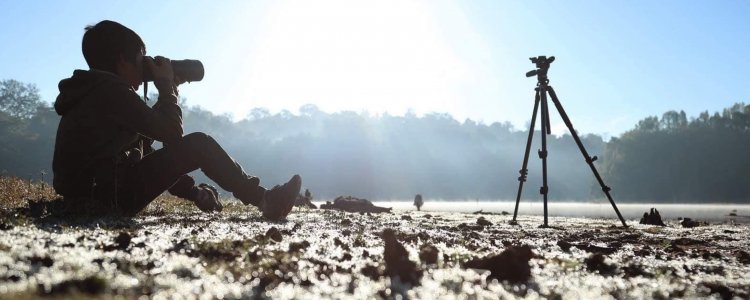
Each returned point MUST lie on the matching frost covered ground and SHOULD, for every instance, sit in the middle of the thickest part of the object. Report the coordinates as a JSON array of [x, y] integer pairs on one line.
[[174, 249]]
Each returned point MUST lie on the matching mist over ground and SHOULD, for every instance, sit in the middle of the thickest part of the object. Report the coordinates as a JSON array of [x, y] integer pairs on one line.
[[673, 159], [396, 157]]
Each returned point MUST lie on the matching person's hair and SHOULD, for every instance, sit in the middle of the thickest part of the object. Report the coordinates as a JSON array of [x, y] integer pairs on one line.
[[104, 42]]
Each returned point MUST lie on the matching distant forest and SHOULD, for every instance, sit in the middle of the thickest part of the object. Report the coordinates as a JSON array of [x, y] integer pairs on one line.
[[669, 159]]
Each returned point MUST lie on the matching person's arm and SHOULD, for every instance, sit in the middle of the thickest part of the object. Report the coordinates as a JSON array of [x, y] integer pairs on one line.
[[163, 122]]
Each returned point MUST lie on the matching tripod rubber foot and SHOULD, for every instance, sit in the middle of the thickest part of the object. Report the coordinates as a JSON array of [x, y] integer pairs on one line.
[[513, 222]]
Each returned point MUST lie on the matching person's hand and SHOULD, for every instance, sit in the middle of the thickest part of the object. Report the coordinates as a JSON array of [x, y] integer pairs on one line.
[[178, 80], [161, 67]]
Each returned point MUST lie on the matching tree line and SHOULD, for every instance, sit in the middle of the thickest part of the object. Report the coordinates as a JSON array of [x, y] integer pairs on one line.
[[667, 159], [674, 159]]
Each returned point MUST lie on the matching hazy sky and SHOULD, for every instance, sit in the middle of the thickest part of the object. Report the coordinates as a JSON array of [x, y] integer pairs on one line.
[[617, 61]]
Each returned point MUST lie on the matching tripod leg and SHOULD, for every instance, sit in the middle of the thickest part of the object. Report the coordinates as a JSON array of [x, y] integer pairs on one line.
[[543, 153], [524, 171], [586, 156]]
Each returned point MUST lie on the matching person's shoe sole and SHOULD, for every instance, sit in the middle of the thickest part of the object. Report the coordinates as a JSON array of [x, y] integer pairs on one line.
[[289, 191]]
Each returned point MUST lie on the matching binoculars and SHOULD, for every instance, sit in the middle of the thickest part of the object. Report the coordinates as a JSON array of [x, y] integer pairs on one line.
[[188, 70]]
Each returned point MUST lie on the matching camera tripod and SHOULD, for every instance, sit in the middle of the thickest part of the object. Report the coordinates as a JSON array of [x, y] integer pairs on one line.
[[542, 89]]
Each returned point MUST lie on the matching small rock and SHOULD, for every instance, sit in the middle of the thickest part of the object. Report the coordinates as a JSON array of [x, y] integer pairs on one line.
[[373, 272], [345, 257], [511, 265], [295, 246], [596, 262], [274, 234], [565, 246], [690, 223], [483, 222], [123, 240], [718, 288], [304, 201], [406, 217], [397, 263], [428, 254], [353, 204], [652, 218], [743, 257]]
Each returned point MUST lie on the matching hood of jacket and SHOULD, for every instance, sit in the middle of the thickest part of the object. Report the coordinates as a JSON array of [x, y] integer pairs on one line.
[[75, 88]]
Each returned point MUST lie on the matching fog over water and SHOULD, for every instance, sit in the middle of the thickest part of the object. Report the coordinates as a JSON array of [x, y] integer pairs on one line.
[[599, 209]]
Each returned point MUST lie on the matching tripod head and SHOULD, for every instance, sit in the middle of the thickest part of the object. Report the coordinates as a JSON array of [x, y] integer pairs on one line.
[[542, 65]]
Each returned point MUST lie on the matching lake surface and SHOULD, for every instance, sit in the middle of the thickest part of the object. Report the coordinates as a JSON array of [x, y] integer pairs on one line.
[[630, 211]]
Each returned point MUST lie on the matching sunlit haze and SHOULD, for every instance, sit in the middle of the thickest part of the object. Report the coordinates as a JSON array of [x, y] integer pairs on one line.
[[617, 62], [382, 56]]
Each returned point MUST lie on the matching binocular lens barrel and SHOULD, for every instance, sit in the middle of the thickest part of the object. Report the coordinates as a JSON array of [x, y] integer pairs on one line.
[[188, 70]]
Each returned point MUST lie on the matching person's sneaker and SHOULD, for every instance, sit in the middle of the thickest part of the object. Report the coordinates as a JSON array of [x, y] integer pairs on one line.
[[278, 201], [207, 198]]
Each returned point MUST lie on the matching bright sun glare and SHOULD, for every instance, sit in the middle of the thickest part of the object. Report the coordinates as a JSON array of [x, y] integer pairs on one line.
[[382, 56]]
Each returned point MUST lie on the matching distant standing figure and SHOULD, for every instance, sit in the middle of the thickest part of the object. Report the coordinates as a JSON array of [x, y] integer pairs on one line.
[[418, 201]]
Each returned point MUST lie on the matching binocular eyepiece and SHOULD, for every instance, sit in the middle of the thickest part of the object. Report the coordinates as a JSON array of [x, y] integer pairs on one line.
[[188, 70]]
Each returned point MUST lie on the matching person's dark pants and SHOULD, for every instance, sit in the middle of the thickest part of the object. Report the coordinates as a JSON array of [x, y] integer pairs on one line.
[[139, 184]]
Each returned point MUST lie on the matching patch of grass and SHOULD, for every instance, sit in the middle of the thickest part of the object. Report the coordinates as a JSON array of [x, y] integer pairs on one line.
[[167, 204], [15, 192]]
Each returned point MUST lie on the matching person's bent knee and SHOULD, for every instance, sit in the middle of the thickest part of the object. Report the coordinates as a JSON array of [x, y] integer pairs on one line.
[[198, 139], [199, 142]]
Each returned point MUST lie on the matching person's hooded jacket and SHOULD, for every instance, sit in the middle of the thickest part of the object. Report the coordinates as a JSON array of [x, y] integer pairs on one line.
[[102, 116]]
